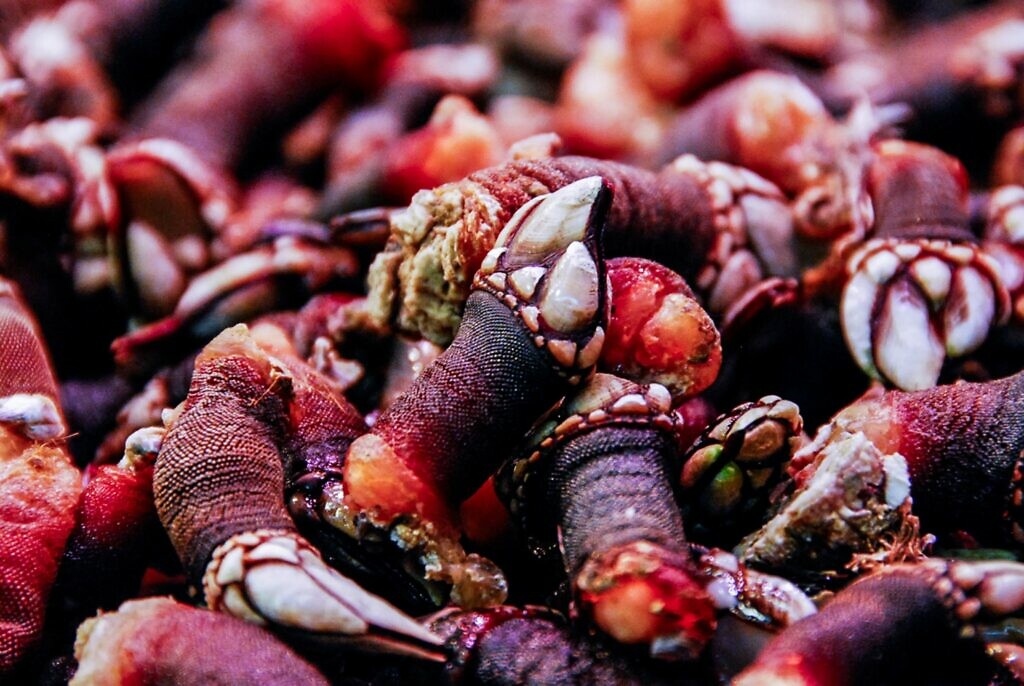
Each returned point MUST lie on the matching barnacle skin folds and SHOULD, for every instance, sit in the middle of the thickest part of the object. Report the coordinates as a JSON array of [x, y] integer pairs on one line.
[[902, 624], [222, 445]]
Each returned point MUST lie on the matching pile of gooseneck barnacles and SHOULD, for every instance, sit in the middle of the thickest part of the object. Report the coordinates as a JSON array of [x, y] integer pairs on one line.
[[369, 342]]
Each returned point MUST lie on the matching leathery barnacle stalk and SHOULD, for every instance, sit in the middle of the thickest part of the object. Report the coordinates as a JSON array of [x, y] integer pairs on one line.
[[504, 646], [533, 328], [159, 641], [955, 450], [720, 227], [908, 623], [219, 490], [597, 469], [921, 289], [41, 485]]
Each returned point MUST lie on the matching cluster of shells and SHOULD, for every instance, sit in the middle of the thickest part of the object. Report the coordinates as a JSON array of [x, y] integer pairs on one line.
[[511, 341]]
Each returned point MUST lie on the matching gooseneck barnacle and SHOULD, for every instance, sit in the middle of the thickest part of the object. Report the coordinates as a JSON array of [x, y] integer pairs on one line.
[[921, 288], [233, 534]]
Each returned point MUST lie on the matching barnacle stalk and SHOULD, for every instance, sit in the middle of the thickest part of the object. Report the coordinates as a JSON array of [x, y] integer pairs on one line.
[[219, 490], [158, 640], [41, 486], [505, 646], [921, 289], [597, 470], [903, 623], [533, 328]]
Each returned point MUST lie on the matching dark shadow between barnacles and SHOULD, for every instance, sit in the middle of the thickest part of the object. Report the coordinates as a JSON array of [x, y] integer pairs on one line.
[[374, 556]]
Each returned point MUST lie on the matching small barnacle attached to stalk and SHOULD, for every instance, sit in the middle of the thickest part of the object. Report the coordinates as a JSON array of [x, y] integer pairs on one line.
[[962, 447], [597, 470], [731, 470], [720, 227], [906, 623], [219, 486], [533, 328], [921, 288], [953, 452], [159, 640], [39, 484]]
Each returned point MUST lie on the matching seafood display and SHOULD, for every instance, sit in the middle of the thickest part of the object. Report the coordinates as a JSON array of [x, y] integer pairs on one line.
[[505, 342]]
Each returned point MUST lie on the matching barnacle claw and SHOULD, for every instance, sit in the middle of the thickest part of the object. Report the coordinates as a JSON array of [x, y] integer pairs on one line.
[[544, 267], [731, 469], [238, 288], [170, 204], [276, 578], [909, 304]]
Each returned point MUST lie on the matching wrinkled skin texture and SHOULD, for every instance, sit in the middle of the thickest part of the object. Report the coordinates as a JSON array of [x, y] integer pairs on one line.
[[962, 444], [507, 646], [884, 629], [222, 432]]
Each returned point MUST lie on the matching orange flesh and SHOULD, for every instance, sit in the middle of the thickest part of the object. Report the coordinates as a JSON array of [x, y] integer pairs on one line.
[[656, 332], [376, 480], [664, 603], [484, 517]]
